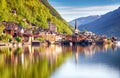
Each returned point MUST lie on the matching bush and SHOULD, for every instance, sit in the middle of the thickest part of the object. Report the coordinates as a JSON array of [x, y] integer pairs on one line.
[[19, 39]]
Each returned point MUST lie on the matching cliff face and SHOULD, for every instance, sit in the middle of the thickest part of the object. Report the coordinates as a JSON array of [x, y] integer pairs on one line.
[[34, 11]]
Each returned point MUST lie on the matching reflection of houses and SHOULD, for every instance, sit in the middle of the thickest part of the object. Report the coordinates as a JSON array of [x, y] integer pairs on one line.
[[89, 51], [27, 55]]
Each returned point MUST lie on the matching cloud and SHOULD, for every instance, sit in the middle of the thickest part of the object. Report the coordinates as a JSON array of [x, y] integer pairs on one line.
[[70, 13], [63, 7]]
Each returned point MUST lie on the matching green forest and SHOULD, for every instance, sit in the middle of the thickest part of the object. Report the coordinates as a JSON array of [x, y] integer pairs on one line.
[[34, 11]]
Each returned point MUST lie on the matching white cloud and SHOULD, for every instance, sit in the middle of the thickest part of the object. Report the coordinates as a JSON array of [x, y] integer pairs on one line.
[[70, 13], [63, 7]]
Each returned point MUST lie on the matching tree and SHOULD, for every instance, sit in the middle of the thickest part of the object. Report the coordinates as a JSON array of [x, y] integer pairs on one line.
[[19, 39]]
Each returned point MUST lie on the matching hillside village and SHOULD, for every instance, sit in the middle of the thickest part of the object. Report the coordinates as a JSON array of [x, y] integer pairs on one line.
[[36, 35], [38, 41], [46, 31], [33, 33]]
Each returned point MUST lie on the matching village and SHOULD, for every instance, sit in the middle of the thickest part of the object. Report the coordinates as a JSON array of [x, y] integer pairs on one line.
[[51, 36]]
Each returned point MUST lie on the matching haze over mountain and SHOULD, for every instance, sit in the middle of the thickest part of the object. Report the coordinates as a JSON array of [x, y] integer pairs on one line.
[[34, 11], [108, 24], [84, 20]]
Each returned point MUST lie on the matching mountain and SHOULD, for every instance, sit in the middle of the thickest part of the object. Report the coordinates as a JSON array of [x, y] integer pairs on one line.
[[84, 20], [34, 11], [108, 24]]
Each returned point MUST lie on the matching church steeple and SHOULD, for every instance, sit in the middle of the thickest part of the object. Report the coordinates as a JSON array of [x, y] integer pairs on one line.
[[75, 30], [75, 24]]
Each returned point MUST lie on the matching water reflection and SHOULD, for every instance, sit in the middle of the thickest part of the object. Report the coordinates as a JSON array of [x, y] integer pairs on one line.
[[91, 62], [30, 62], [46, 61]]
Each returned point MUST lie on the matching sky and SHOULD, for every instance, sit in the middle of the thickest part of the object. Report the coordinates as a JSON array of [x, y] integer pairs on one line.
[[72, 9]]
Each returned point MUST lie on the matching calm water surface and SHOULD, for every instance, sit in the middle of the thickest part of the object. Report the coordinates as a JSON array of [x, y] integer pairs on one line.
[[60, 62]]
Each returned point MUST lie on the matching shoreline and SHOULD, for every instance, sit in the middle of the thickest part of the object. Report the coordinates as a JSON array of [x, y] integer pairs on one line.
[[60, 43]]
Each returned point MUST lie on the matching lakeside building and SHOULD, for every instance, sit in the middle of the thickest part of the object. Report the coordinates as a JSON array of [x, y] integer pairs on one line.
[[28, 35], [85, 38], [51, 35], [13, 29], [76, 36]]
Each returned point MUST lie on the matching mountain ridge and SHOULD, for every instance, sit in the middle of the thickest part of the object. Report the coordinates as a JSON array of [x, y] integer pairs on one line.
[[108, 24], [84, 20]]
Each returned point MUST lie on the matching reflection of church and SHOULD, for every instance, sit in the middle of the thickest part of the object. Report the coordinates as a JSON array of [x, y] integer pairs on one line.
[[89, 51], [30, 54]]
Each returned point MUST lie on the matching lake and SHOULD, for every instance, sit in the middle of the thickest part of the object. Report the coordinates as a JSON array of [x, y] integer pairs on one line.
[[57, 61]]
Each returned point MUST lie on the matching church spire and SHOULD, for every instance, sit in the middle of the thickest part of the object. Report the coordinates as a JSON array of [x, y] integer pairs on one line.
[[75, 30], [75, 24]]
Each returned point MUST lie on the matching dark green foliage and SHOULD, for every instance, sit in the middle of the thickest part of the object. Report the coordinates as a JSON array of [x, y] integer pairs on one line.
[[34, 11], [18, 50], [18, 39]]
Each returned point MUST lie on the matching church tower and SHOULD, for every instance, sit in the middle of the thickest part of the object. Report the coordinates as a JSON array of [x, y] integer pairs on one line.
[[75, 29], [49, 22]]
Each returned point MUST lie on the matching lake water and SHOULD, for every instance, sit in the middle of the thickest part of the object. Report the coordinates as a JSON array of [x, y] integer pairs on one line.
[[60, 62]]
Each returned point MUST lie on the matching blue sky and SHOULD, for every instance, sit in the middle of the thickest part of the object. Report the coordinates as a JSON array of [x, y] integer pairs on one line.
[[71, 9]]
